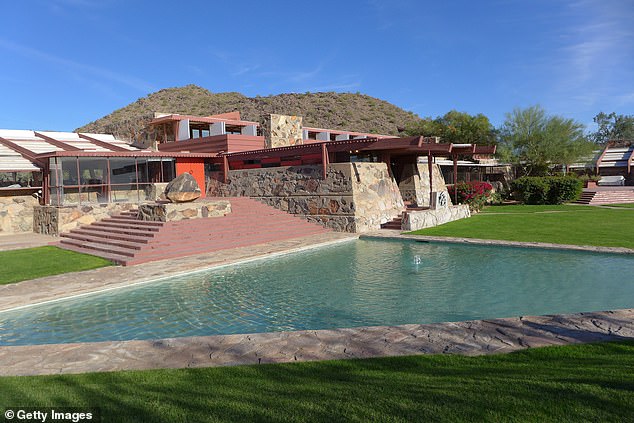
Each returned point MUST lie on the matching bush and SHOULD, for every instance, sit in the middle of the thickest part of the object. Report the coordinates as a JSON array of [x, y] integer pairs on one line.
[[564, 189], [475, 194], [547, 189]]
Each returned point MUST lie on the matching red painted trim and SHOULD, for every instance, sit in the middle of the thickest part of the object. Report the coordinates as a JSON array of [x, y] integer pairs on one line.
[[103, 144], [600, 159], [64, 146]]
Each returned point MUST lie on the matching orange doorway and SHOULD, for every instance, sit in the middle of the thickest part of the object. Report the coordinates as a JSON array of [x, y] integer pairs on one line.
[[196, 168]]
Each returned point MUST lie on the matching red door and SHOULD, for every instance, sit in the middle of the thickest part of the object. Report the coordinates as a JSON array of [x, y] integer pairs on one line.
[[195, 167]]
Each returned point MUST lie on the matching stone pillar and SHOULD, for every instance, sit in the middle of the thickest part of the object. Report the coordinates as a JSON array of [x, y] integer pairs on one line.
[[285, 131]]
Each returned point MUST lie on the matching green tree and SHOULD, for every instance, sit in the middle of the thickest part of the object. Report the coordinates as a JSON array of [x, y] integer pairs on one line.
[[536, 142], [613, 127], [456, 127]]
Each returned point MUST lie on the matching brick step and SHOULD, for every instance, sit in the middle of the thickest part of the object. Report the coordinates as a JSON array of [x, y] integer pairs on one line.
[[131, 245], [98, 247], [119, 225], [126, 220], [105, 230], [90, 231], [115, 258]]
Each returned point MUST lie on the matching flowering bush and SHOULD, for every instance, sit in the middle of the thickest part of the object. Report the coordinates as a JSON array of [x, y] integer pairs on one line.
[[474, 193]]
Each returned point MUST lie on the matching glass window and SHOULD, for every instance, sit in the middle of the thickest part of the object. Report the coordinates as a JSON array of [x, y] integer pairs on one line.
[[142, 169], [93, 170], [169, 169], [122, 170], [69, 170]]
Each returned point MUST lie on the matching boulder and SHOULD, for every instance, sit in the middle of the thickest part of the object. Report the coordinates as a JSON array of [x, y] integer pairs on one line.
[[182, 189]]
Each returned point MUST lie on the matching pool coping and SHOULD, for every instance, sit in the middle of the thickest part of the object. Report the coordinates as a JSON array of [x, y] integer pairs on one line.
[[20, 295], [479, 241], [477, 337]]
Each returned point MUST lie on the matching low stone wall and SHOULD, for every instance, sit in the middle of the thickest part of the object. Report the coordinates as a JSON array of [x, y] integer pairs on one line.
[[16, 213], [354, 197], [420, 219], [171, 212], [53, 220]]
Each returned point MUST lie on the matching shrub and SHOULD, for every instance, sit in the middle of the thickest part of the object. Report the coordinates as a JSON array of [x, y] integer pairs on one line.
[[547, 189], [564, 189], [474, 193], [530, 189]]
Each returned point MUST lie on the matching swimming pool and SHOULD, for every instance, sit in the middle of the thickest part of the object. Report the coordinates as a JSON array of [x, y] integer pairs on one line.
[[359, 283]]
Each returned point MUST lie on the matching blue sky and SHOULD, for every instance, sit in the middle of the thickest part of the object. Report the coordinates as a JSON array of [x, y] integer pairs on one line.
[[68, 62]]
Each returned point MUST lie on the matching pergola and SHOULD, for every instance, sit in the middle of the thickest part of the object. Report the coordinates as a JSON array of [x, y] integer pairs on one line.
[[404, 149]]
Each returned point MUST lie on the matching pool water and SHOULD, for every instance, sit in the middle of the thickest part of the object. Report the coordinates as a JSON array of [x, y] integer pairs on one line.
[[357, 283]]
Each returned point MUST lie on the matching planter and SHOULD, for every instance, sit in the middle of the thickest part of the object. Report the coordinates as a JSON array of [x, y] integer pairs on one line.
[[591, 184]]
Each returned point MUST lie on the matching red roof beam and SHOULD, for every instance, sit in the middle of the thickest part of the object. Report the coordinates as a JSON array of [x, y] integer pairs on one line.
[[27, 154]]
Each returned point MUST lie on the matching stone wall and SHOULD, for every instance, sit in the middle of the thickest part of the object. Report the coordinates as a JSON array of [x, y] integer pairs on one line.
[[284, 131], [420, 219], [53, 220], [16, 213], [414, 183], [354, 197], [376, 196], [170, 212]]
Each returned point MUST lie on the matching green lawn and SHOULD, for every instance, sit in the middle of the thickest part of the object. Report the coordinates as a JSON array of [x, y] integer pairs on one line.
[[31, 263], [623, 205], [564, 224], [573, 383]]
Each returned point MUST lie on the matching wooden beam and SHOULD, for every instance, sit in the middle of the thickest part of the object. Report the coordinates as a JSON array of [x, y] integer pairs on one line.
[[455, 177], [64, 146], [430, 167], [600, 159], [225, 168], [103, 144], [26, 153], [324, 159]]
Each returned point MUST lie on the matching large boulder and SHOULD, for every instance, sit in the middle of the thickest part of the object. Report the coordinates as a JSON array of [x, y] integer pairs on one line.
[[182, 189]]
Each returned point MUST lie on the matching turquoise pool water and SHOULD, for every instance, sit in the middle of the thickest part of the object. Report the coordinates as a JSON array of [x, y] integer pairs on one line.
[[359, 283]]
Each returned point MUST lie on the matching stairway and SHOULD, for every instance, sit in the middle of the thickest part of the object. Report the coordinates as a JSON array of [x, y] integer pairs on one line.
[[125, 240], [614, 196], [395, 224]]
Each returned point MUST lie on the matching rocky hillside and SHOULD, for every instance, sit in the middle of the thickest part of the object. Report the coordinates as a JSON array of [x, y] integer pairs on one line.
[[354, 112]]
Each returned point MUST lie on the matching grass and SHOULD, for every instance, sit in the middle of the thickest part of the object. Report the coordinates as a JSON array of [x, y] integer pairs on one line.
[[592, 382], [31, 263], [563, 224], [624, 205]]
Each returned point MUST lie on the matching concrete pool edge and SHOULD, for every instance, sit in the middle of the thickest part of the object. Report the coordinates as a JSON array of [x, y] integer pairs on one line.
[[477, 337], [495, 242], [20, 295]]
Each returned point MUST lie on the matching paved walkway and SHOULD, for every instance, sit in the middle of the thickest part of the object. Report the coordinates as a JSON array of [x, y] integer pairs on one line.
[[24, 240], [468, 338], [81, 283]]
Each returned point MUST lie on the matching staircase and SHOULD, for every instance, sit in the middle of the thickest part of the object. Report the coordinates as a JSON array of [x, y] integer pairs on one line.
[[395, 224], [612, 196], [125, 240]]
